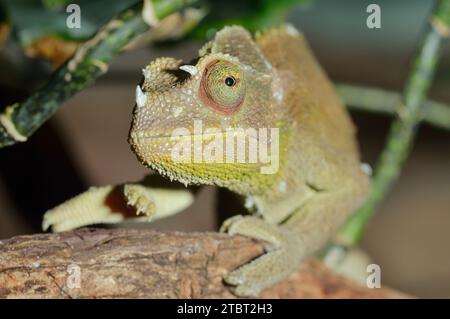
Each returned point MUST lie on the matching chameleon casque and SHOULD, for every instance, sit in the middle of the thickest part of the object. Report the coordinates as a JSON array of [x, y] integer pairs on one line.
[[270, 81]]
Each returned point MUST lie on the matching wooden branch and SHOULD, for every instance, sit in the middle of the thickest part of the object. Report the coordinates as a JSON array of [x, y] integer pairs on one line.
[[148, 264]]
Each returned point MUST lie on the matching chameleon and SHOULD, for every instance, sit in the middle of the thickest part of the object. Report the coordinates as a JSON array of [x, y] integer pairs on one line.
[[267, 80]]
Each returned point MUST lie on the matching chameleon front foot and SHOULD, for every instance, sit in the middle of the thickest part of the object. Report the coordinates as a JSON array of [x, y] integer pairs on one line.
[[281, 258], [138, 197], [114, 204]]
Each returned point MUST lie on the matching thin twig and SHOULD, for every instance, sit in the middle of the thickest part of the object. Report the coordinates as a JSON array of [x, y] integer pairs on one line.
[[404, 127], [381, 101], [91, 60]]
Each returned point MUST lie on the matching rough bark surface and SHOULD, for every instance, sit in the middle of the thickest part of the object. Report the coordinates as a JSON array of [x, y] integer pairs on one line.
[[129, 263]]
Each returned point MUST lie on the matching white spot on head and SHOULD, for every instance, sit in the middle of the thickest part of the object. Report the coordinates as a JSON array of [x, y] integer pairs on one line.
[[249, 203], [282, 187], [268, 65], [141, 98], [191, 69], [176, 111], [278, 95], [146, 73], [225, 122], [292, 31], [366, 168], [277, 89]]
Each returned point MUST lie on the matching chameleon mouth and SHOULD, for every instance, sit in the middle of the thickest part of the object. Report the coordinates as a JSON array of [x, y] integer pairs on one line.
[[144, 135], [206, 136], [150, 148]]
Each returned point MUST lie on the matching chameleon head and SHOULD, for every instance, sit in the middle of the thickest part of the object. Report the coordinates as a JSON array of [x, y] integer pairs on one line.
[[187, 110]]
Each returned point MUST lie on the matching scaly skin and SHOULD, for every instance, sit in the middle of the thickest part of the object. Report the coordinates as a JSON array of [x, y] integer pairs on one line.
[[276, 83]]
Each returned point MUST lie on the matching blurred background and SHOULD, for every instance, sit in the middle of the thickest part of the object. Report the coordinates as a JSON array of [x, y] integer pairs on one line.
[[86, 142]]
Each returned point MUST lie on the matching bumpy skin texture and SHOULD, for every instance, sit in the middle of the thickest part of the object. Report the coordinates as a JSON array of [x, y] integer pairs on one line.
[[276, 83]]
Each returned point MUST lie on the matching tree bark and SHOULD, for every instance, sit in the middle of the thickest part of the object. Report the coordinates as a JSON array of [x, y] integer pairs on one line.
[[130, 263]]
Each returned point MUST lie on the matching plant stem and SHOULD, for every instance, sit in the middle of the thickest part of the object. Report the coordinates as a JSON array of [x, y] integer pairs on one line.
[[404, 127], [381, 101]]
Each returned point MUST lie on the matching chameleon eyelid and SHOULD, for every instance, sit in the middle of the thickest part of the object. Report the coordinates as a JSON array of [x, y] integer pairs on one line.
[[207, 99]]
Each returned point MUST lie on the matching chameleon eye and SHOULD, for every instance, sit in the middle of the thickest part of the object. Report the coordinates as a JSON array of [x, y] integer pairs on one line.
[[222, 87]]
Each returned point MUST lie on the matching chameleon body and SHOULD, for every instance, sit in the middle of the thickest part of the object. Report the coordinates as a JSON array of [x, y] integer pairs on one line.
[[270, 81]]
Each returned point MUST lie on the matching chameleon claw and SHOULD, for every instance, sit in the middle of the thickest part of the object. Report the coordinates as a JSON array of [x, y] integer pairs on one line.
[[225, 227]]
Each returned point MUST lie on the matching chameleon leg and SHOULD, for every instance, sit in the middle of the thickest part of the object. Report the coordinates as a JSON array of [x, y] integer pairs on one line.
[[318, 219], [113, 204], [279, 260], [305, 231]]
